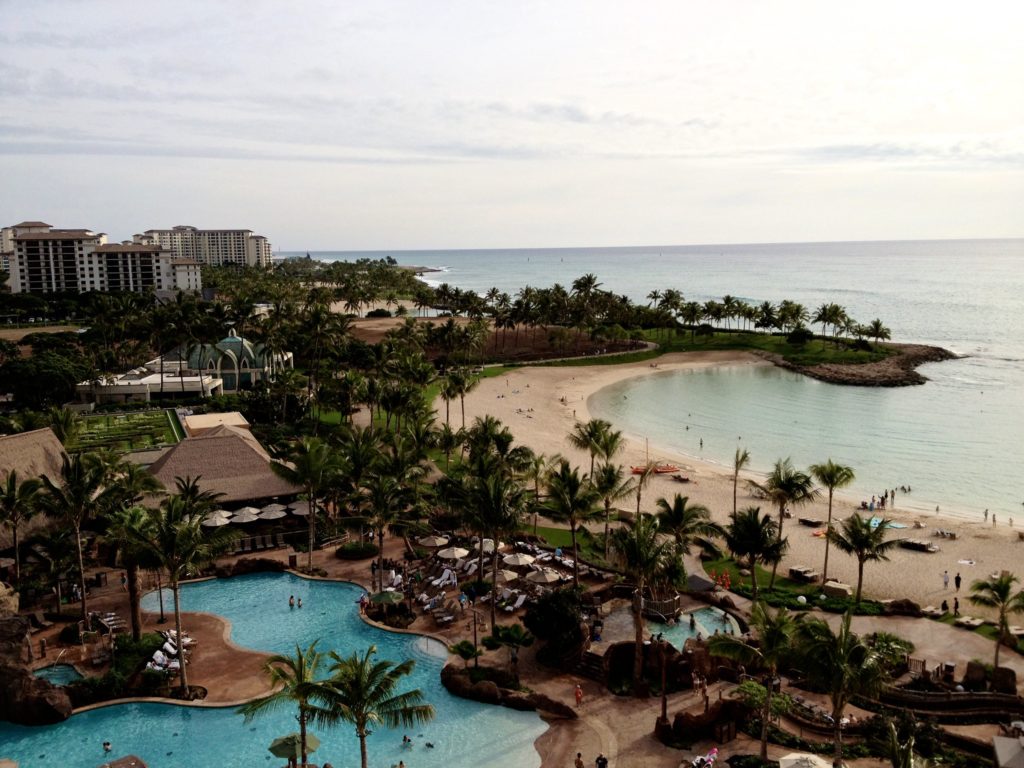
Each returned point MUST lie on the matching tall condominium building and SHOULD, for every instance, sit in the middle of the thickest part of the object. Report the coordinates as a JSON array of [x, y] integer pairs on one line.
[[211, 246], [48, 260]]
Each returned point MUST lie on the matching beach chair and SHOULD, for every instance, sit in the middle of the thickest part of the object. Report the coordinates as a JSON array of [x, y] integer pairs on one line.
[[279, 540], [472, 569], [513, 607], [38, 621]]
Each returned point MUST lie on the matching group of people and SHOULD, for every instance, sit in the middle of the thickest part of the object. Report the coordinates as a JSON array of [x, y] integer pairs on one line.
[[600, 762], [293, 603]]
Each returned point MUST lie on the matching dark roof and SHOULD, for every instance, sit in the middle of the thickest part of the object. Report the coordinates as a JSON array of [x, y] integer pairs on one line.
[[31, 454], [31, 224], [226, 460], [57, 234]]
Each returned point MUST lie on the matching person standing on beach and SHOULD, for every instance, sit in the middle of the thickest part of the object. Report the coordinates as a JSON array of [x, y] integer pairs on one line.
[[945, 579], [578, 763], [956, 606], [986, 515], [578, 693], [956, 581]]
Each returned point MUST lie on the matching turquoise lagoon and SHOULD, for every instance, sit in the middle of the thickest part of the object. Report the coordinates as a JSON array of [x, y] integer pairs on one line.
[[170, 736]]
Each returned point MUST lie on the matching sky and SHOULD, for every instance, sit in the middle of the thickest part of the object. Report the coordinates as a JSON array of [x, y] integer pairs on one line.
[[331, 125]]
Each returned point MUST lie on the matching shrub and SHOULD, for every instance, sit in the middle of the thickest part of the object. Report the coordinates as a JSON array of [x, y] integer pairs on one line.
[[356, 550], [800, 336], [378, 313]]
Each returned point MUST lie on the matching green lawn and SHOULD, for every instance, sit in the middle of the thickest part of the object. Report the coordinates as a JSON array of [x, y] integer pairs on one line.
[[815, 352], [590, 548], [128, 431]]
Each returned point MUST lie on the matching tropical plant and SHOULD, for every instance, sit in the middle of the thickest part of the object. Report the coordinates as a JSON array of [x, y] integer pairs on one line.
[[643, 556], [998, 593], [466, 651], [774, 631], [753, 538], [572, 499], [832, 476], [611, 483], [296, 683], [176, 540], [857, 536], [841, 663], [740, 460], [687, 524], [311, 464], [74, 498], [127, 528], [363, 693], [18, 506], [510, 636], [786, 486], [588, 436]]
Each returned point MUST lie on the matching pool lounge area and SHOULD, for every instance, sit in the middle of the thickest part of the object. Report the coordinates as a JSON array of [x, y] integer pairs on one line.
[[463, 733]]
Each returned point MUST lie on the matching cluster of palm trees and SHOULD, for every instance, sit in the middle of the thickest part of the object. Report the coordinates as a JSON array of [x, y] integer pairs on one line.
[[357, 689]]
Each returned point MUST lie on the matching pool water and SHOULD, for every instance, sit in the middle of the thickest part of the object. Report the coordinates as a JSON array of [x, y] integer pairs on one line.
[[59, 674], [707, 620], [463, 733]]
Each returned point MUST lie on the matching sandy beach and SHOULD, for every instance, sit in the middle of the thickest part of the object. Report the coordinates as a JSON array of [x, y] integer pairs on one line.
[[530, 401]]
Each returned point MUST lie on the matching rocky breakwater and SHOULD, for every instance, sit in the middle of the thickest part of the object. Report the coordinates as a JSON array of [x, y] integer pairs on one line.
[[458, 683], [897, 370], [25, 698]]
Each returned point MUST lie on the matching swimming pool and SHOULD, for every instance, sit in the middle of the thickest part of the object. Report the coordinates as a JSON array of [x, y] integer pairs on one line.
[[463, 733], [706, 621], [59, 674]]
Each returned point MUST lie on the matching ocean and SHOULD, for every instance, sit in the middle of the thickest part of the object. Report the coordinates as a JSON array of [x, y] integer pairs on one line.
[[956, 440]]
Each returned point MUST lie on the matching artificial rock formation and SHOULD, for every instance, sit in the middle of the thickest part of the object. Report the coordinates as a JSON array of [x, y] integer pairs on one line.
[[25, 698]]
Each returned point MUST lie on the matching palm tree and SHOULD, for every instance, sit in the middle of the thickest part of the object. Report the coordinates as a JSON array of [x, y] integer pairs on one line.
[[643, 558], [295, 682], [774, 645], [176, 540], [740, 460], [74, 499], [312, 464], [386, 501], [495, 504], [786, 486], [513, 637], [611, 484], [686, 523], [363, 693], [588, 436], [998, 593], [640, 481], [841, 663], [857, 536], [128, 527], [832, 476], [17, 506], [573, 499], [753, 538]]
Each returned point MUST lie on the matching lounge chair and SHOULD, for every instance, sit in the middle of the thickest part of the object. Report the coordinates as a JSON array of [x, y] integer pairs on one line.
[[279, 540], [513, 607], [243, 546], [36, 619]]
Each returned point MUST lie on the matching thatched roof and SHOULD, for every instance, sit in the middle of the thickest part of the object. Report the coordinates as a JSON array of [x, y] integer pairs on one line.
[[228, 460], [31, 454]]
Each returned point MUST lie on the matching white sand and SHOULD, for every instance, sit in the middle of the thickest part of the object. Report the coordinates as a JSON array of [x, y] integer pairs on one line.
[[528, 400]]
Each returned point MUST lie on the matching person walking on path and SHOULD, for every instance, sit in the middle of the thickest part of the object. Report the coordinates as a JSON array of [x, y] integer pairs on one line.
[[957, 580], [579, 694], [579, 760], [956, 606], [602, 761], [945, 579]]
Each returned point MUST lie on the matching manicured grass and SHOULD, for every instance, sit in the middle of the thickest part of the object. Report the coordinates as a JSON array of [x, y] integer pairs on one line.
[[128, 431], [589, 547]]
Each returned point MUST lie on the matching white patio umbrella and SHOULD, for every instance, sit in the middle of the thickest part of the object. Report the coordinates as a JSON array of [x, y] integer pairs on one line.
[[488, 546], [507, 575], [246, 515], [217, 518], [544, 576], [272, 514], [433, 541], [518, 558], [452, 553], [299, 508], [275, 507], [803, 760]]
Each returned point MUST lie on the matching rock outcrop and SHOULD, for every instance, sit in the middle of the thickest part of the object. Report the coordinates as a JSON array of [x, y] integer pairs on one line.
[[25, 698], [898, 370], [458, 683]]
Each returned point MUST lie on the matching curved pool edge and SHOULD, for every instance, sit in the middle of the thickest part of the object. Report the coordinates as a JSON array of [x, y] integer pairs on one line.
[[226, 637]]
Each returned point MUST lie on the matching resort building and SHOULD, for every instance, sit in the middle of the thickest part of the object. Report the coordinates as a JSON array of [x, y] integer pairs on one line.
[[48, 260], [197, 424], [211, 246], [148, 383], [225, 460], [237, 362]]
